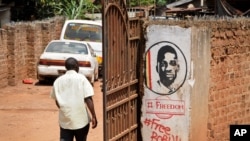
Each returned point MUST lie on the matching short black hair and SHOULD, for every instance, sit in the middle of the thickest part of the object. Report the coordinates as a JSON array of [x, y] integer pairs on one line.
[[71, 63], [163, 50]]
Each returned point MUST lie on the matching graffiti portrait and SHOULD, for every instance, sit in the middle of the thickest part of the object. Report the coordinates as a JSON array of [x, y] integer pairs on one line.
[[165, 68]]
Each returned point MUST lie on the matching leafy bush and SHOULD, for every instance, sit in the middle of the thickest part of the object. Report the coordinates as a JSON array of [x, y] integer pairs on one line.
[[71, 9], [25, 10]]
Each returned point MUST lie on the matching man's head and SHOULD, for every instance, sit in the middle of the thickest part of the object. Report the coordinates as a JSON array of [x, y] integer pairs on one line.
[[167, 65], [72, 64]]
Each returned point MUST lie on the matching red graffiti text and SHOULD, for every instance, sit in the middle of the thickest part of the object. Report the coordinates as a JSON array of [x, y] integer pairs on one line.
[[160, 132]]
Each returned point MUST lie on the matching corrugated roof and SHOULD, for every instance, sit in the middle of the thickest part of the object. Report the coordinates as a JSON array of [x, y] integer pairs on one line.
[[220, 7]]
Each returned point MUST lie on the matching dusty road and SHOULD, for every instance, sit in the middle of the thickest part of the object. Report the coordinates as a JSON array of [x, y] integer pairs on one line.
[[27, 113]]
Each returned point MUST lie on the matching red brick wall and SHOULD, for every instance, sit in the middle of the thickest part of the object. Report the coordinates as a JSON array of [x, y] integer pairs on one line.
[[229, 99], [21, 45], [3, 59]]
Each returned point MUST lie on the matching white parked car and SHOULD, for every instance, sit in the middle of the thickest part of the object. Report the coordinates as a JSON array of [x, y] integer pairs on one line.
[[52, 60], [85, 30]]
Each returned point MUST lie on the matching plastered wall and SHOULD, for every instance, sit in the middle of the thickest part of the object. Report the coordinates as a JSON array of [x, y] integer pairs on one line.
[[219, 70]]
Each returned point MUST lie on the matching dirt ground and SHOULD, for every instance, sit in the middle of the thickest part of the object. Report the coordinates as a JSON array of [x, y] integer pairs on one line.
[[27, 113]]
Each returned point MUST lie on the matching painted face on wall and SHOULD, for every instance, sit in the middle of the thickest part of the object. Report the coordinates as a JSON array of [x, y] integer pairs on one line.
[[167, 66]]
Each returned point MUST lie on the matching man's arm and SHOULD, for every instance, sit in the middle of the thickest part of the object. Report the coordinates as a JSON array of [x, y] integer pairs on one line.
[[52, 95], [91, 108], [57, 104]]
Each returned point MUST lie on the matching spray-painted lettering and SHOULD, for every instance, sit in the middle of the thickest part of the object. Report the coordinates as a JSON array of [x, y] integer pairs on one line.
[[160, 132]]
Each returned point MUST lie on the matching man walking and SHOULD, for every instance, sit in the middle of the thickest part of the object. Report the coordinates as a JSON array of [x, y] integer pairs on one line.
[[71, 92]]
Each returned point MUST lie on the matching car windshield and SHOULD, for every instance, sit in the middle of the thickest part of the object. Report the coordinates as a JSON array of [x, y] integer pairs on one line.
[[83, 32], [67, 47]]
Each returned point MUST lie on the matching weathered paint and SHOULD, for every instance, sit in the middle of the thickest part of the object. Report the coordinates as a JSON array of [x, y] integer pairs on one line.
[[165, 112]]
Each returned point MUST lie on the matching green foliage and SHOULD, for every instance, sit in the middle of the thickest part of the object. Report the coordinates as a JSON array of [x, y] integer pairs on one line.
[[71, 9], [161, 2], [133, 3], [45, 9], [147, 2]]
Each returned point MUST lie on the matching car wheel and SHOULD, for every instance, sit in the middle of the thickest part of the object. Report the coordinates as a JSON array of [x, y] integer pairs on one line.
[[43, 82]]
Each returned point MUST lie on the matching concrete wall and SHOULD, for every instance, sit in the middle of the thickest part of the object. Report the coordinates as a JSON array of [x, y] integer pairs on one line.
[[220, 94], [21, 45], [201, 76], [166, 101]]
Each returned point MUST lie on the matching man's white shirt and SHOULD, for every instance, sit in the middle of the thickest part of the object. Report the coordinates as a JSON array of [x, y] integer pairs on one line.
[[70, 90]]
